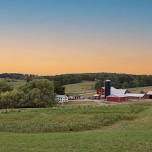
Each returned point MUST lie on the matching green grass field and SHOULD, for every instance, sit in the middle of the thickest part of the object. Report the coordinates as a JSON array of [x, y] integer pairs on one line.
[[86, 88], [79, 88], [77, 128], [129, 129], [139, 89], [15, 83], [65, 118]]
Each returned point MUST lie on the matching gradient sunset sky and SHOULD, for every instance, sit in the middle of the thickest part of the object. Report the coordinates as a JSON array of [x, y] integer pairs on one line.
[[50, 37]]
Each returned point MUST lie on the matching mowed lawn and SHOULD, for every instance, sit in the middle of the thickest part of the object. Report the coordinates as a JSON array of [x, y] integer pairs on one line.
[[130, 131]]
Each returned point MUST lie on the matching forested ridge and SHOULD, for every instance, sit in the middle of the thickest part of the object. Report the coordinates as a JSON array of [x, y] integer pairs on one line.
[[118, 80]]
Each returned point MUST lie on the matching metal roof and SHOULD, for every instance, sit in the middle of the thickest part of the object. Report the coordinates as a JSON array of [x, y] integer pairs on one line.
[[149, 93], [139, 95], [117, 92]]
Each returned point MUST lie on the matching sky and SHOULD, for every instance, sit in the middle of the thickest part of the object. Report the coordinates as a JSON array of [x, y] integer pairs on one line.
[[49, 37]]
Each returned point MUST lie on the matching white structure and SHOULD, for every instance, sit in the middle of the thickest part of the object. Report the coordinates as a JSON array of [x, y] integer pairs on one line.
[[135, 95], [117, 92], [61, 98], [149, 93]]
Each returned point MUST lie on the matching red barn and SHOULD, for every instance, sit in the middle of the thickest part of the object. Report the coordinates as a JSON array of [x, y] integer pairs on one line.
[[100, 91], [117, 98]]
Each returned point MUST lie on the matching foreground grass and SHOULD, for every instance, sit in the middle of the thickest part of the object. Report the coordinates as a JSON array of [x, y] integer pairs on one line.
[[124, 136], [62, 119], [115, 140]]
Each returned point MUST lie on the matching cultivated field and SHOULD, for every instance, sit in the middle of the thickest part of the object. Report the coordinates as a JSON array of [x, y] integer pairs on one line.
[[116, 128], [65, 118]]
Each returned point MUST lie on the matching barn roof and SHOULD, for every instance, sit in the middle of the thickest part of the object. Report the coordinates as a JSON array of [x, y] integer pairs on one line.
[[117, 92]]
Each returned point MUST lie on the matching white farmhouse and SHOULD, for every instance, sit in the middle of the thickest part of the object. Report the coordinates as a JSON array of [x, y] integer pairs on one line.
[[61, 98]]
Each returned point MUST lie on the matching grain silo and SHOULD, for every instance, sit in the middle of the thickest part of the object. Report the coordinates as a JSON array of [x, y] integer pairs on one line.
[[107, 88]]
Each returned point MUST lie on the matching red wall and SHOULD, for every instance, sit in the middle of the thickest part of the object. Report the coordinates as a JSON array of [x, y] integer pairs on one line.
[[100, 91], [117, 99]]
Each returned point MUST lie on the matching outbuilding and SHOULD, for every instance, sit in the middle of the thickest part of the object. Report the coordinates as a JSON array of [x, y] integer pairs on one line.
[[61, 98], [136, 96]]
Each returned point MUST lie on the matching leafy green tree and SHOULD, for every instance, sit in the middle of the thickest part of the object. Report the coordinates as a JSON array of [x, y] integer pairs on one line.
[[125, 85], [58, 88], [98, 84], [39, 92], [4, 86]]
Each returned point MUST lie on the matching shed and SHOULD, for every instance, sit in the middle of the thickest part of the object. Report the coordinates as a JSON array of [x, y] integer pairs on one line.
[[136, 96], [61, 98]]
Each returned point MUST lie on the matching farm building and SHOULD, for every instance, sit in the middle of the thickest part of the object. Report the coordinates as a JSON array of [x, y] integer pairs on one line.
[[98, 97], [61, 98], [149, 94], [113, 92], [118, 98], [75, 97], [119, 95], [118, 92], [136, 96]]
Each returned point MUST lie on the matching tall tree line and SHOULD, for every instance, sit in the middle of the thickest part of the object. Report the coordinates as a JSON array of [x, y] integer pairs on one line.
[[118, 80]]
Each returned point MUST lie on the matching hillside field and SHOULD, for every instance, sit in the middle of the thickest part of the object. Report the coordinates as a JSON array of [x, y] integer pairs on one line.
[[119, 128], [80, 88], [86, 88], [139, 89]]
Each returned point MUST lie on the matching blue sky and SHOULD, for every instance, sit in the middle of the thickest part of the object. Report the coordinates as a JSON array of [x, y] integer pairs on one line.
[[76, 27]]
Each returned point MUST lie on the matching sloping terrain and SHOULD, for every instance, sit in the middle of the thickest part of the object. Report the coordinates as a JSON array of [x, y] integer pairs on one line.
[[124, 136]]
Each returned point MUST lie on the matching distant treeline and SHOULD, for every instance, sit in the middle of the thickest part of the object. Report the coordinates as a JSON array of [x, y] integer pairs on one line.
[[118, 80], [17, 76]]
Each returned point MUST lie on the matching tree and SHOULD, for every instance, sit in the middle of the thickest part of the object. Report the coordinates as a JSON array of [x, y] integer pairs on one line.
[[29, 78], [4, 86], [125, 85], [38, 93], [98, 84], [58, 88]]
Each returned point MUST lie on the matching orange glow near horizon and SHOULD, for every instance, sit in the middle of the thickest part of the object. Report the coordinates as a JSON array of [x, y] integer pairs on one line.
[[63, 57]]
